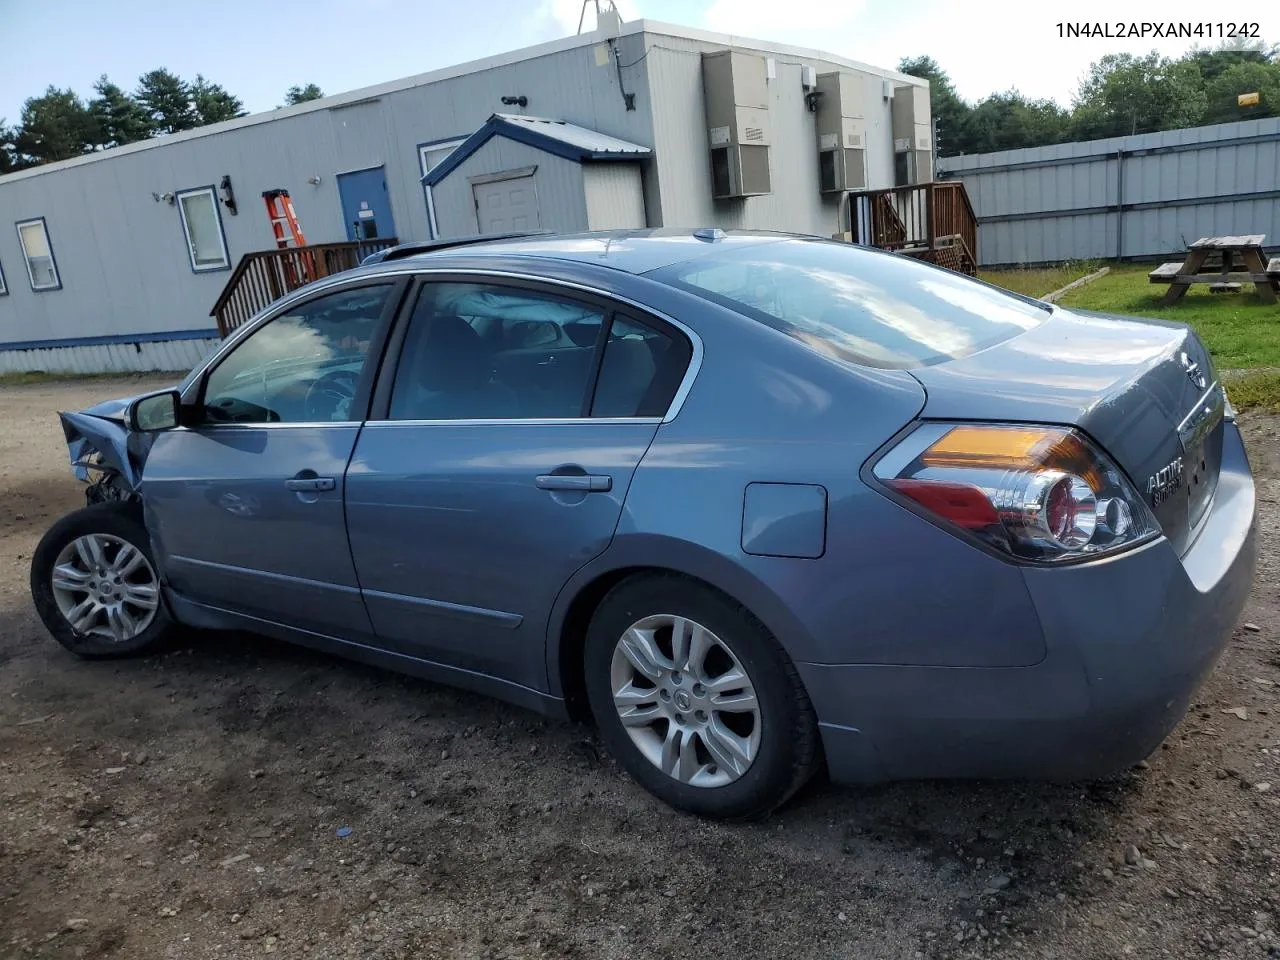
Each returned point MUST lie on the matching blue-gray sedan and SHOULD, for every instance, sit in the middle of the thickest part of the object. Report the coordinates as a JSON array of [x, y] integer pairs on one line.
[[755, 503]]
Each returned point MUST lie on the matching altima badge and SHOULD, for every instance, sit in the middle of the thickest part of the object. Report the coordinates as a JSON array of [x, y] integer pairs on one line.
[[1165, 482], [1193, 371]]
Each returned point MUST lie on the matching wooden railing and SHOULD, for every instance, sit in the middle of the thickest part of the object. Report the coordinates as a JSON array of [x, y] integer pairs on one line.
[[264, 276], [918, 220]]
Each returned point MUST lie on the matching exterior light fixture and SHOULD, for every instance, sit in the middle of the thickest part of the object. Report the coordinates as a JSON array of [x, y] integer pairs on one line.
[[228, 195]]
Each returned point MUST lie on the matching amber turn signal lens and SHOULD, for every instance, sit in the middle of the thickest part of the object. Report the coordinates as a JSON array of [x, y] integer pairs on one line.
[[1014, 448]]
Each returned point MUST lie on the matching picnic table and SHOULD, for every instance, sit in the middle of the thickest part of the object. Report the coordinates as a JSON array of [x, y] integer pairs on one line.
[[1254, 268]]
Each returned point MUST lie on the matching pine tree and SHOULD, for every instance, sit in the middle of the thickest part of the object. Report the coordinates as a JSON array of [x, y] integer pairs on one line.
[[120, 118], [167, 100], [212, 104]]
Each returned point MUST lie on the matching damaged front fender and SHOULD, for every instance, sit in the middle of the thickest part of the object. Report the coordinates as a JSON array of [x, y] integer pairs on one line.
[[98, 440], [97, 444]]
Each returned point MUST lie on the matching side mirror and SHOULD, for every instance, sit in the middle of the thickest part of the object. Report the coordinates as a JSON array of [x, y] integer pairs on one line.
[[155, 411]]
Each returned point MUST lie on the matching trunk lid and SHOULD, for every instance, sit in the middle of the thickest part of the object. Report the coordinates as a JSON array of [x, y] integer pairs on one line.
[[1144, 390]]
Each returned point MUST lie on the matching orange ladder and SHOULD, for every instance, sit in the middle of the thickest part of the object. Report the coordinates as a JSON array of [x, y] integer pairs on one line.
[[299, 269]]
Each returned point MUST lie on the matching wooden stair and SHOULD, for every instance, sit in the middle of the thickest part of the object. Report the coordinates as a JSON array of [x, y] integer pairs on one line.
[[264, 276], [929, 221]]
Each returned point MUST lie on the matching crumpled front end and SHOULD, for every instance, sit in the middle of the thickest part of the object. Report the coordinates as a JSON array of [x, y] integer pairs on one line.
[[103, 452]]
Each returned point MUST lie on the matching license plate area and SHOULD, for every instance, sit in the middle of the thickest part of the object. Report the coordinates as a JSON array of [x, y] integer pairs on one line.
[[1201, 436]]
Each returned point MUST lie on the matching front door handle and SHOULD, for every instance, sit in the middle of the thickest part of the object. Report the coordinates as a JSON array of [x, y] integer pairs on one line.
[[310, 484], [581, 482]]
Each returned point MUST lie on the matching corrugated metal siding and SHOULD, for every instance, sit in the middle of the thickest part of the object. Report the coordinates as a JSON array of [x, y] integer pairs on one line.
[[558, 182], [1063, 206], [122, 256], [614, 195], [165, 356], [683, 162]]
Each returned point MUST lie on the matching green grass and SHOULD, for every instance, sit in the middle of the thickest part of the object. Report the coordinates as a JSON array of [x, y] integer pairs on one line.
[[1253, 389], [1037, 281], [1239, 330]]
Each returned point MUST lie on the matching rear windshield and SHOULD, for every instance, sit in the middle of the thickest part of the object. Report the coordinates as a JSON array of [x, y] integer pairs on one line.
[[858, 305]]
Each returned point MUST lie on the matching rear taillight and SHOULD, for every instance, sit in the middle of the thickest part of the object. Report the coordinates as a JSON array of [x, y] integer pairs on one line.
[[1044, 494]]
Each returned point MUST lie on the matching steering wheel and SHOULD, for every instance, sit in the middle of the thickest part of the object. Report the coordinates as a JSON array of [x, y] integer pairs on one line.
[[329, 397]]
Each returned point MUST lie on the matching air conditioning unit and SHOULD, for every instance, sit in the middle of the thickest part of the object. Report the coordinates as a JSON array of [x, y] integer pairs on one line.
[[913, 130], [842, 133], [735, 88]]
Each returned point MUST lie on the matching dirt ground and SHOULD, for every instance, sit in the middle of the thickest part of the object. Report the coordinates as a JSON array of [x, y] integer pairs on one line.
[[188, 806]]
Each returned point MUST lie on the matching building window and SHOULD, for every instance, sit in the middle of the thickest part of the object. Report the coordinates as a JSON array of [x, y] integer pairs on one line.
[[202, 224], [42, 270]]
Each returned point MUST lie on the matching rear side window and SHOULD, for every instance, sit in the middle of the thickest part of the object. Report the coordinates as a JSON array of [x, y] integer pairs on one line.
[[487, 352], [641, 370], [476, 351], [858, 305]]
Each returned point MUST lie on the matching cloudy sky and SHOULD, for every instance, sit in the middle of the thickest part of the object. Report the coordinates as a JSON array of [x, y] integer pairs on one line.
[[257, 49]]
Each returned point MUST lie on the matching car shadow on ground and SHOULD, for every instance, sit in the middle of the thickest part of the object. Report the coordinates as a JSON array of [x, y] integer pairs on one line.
[[986, 828]]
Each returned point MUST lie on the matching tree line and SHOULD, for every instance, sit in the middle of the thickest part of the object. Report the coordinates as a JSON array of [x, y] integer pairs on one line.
[[59, 124], [1121, 94]]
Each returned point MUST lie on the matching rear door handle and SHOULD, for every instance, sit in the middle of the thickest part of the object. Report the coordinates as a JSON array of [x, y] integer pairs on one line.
[[311, 484], [575, 481]]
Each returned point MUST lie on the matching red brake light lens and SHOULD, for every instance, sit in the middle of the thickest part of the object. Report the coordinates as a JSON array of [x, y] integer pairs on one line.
[[961, 503]]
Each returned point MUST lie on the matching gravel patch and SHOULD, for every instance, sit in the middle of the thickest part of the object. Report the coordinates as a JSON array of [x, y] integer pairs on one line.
[[238, 798]]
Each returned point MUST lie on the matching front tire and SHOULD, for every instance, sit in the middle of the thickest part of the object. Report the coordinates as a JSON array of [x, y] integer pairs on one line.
[[95, 583], [697, 700]]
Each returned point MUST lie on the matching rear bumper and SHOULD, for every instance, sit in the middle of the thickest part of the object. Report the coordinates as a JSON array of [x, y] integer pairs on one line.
[[1128, 641]]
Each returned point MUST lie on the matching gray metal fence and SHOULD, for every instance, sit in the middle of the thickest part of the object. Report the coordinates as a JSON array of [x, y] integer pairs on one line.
[[1138, 197]]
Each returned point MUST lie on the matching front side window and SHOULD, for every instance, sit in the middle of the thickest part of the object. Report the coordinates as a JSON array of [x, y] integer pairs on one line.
[[202, 226], [3, 289], [42, 270], [476, 351], [301, 367], [860, 306]]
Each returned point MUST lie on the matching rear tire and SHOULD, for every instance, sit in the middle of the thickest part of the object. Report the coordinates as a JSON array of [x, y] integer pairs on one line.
[[717, 722], [95, 583]]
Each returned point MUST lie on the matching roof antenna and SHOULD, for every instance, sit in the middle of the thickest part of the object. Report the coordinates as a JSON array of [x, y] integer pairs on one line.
[[582, 14], [606, 21]]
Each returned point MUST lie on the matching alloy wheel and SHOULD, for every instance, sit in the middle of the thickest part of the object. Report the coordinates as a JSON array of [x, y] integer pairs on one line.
[[685, 700], [105, 587]]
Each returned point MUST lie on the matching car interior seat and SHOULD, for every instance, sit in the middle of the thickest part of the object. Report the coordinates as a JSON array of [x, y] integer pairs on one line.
[[447, 375]]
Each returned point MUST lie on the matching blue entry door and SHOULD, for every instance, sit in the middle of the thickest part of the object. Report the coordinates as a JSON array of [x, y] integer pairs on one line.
[[366, 205]]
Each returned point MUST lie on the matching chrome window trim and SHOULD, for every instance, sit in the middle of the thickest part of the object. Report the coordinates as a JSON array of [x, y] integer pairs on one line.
[[320, 286], [475, 421], [511, 421], [311, 424]]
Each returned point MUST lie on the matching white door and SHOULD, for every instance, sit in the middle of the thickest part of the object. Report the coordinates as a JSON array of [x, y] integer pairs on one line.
[[504, 206]]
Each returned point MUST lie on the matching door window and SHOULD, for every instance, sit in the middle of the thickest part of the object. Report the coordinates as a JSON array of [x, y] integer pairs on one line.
[[480, 352], [487, 352], [302, 366]]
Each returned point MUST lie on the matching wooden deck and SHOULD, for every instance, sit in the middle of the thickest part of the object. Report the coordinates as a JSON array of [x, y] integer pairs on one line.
[[931, 221], [263, 276]]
